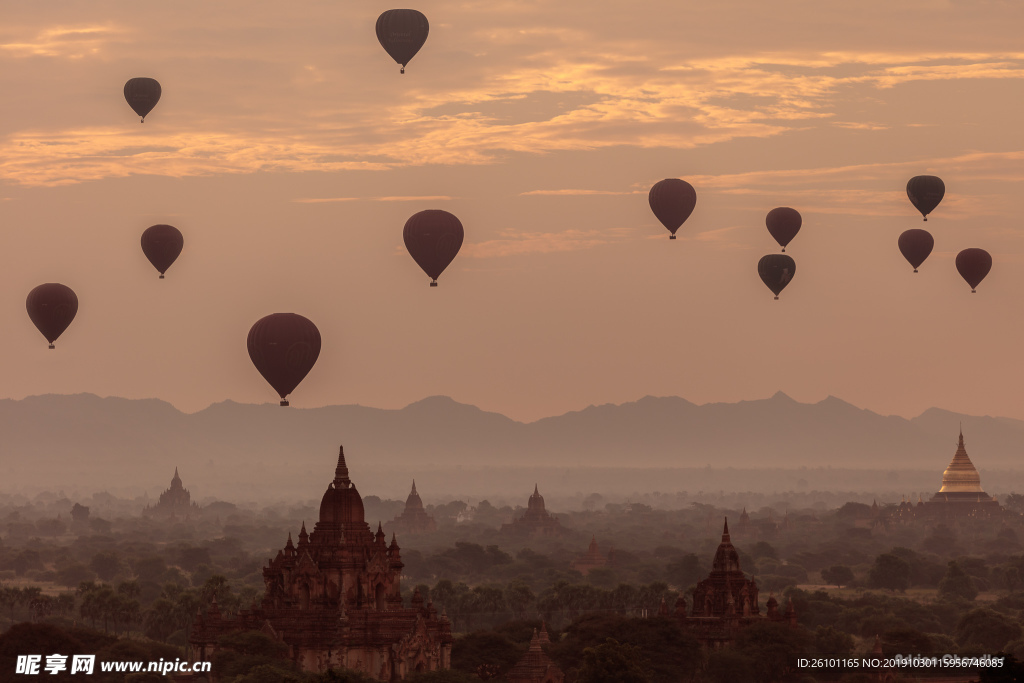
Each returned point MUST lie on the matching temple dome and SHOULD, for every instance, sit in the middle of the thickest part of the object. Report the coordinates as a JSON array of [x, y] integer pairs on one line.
[[341, 503], [961, 476], [726, 557], [413, 501], [536, 503]]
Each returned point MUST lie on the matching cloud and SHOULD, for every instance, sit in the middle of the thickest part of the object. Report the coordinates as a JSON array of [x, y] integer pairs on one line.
[[558, 89], [569, 193], [63, 41], [411, 198], [517, 244]]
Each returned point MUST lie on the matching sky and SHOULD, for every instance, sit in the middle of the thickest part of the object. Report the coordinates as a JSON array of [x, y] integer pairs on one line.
[[289, 151]]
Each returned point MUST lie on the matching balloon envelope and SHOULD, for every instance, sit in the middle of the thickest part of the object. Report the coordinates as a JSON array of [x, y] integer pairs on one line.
[[284, 347], [925, 193], [142, 95], [783, 224], [433, 238], [402, 33], [672, 200], [916, 245], [973, 265], [776, 271], [161, 244], [52, 307]]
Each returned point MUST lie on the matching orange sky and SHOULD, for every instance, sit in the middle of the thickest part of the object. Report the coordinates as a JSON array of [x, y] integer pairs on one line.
[[289, 151]]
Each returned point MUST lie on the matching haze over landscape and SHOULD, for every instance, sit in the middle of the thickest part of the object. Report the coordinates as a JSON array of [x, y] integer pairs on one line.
[[631, 463]]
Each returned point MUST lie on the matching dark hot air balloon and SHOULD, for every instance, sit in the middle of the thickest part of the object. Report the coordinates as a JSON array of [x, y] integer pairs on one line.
[[402, 32], [672, 201], [51, 308], [915, 245], [925, 192], [433, 238], [284, 347], [161, 244], [776, 271], [142, 95], [973, 265], [783, 224]]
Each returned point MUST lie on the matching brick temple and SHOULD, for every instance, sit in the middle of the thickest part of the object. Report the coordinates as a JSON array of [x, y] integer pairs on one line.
[[536, 521], [175, 502], [726, 601], [334, 598], [414, 519]]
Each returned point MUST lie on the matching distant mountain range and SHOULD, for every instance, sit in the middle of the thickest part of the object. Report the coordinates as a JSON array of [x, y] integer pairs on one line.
[[85, 441]]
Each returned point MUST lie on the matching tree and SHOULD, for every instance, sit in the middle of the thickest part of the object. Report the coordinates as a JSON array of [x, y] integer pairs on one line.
[[79, 513], [889, 571], [956, 583], [484, 648], [685, 571], [729, 666], [988, 629], [74, 574], [106, 564], [832, 642], [519, 597], [837, 575], [613, 661]]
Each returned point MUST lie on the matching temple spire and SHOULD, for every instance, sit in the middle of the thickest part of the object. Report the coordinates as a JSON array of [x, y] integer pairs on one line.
[[725, 532], [341, 479], [536, 491], [414, 487]]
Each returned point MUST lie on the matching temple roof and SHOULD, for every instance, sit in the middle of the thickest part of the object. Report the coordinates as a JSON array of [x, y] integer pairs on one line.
[[961, 476], [342, 503], [726, 557]]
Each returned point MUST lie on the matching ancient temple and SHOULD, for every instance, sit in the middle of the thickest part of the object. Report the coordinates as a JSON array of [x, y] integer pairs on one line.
[[175, 502], [535, 521], [726, 601], [592, 560], [536, 666], [334, 598], [414, 519], [961, 494]]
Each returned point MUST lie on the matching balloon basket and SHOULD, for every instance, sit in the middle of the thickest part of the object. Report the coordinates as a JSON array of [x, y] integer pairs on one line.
[[161, 276], [915, 270], [52, 346], [671, 237], [434, 283], [783, 250], [973, 291], [776, 298], [284, 403]]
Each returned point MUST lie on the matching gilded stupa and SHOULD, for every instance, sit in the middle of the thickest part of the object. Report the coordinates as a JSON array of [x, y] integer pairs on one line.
[[961, 492]]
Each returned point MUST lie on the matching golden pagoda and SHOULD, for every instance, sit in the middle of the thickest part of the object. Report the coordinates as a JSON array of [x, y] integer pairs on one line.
[[961, 493]]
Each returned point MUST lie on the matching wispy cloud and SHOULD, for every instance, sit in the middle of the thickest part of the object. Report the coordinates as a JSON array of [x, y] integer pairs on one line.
[[72, 42], [513, 243], [411, 198], [569, 193]]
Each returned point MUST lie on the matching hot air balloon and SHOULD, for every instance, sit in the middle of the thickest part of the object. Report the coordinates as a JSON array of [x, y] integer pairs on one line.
[[776, 270], [51, 308], [672, 201], [284, 347], [402, 32], [161, 244], [915, 245], [142, 95], [783, 224], [973, 265], [433, 238], [925, 192]]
